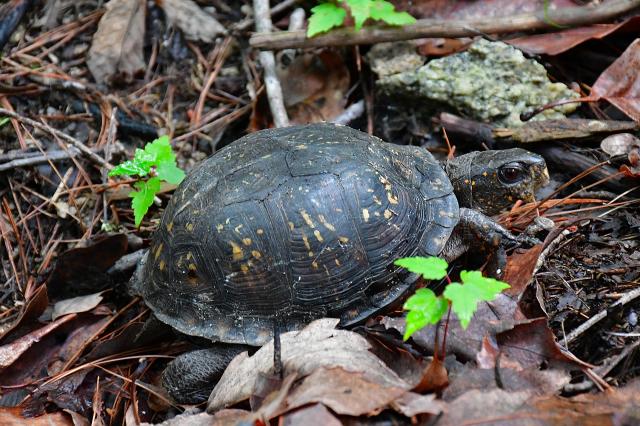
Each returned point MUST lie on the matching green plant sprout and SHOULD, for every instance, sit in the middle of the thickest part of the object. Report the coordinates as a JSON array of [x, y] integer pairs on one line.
[[156, 161], [462, 298], [326, 16]]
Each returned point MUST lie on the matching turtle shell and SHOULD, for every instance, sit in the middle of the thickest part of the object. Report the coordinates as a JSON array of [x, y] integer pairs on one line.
[[293, 224]]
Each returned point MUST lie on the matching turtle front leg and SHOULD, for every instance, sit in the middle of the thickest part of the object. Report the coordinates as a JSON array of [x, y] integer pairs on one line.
[[477, 232]]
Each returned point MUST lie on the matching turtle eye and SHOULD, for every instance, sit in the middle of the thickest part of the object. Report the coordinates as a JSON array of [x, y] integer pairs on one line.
[[511, 173]]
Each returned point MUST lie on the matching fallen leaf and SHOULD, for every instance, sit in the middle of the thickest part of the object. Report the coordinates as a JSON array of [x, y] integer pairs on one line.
[[83, 270], [434, 377], [11, 352], [14, 417], [534, 381], [619, 144], [532, 342], [481, 406], [519, 269], [117, 47], [195, 23], [620, 82], [314, 87], [554, 43], [490, 318], [318, 345], [344, 392], [316, 414], [76, 305], [34, 307], [411, 404], [221, 418]]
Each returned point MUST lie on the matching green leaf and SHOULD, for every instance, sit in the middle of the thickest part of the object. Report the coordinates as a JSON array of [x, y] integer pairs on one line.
[[324, 17], [431, 268], [465, 297], [128, 168], [424, 308], [170, 172], [159, 150], [382, 10], [143, 197], [360, 10]]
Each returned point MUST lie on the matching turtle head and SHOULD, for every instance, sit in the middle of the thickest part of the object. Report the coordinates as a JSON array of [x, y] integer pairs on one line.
[[491, 181]]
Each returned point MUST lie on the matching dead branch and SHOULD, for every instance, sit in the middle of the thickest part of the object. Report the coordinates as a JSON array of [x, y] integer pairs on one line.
[[73, 141], [268, 61], [423, 28], [34, 158]]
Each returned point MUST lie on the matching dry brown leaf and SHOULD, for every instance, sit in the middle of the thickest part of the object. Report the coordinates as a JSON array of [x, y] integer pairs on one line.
[[554, 43], [318, 345], [14, 417], [434, 377], [11, 352], [117, 47], [519, 269], [620, 82], [76, 305], [344, 392], [411, 404], [315, 87], [316, 414], [195, 23]]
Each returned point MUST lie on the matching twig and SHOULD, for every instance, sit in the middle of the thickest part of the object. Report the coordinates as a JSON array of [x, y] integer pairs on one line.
[[354, 111], [79, 145], [566, 17], [626, 298], [268, 61], [34, 158], [246, 23]]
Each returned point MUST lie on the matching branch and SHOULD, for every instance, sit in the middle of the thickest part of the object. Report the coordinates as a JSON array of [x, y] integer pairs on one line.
[[267, 59], [565, 17]]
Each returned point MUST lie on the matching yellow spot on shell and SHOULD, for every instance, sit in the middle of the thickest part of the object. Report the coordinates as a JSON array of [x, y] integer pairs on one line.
[[219, 227], [256, 254], [473, 182], [246, 241], [189, 255], [260, 231], [377, 200], [244, 268], [387, 214], [369, 190], [306, 242], [158, 251], [189, 226], [169, 226], [391, 198], [192, 267], [343, 240], [161, 266], [337, 262], [365, 215], [291, 226], [237, 229], [310, 254], [318, 235], [484, 174], [326, 224], [307, 219], [314, 264], [466, 181], [236, 251]]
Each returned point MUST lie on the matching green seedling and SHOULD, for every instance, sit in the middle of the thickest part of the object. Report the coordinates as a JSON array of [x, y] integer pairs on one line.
[[326, 16], [425, 308], [153, 164]]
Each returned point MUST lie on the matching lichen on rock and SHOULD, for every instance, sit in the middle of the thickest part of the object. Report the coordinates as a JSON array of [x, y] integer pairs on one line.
[[491, 81]]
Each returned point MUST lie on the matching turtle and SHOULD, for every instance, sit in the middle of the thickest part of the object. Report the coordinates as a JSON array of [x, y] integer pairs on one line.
[[287, 225]]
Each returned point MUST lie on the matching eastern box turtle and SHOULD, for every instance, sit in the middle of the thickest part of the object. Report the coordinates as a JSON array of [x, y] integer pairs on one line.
[[305, 222]]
